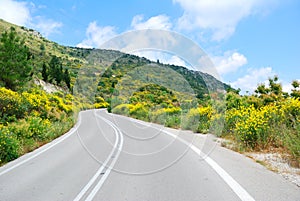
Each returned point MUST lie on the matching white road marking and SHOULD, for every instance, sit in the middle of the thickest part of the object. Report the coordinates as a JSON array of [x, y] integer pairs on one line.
[[100, 183], [232, 183], [41, 150], [118, 145]]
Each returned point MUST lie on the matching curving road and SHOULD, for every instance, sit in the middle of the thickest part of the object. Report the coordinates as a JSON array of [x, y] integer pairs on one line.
[[110, 157]]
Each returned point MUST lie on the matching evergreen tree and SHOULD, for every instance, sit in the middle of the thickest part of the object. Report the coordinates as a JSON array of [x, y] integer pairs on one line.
[[59, 73], [45, 74], [271, 93], [14, 60], [55, 70], [67, 78], [296, 91]]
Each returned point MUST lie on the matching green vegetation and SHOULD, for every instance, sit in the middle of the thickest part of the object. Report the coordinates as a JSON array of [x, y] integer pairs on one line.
[[30, 119], [129, 85], [269, 119], [14, 64]]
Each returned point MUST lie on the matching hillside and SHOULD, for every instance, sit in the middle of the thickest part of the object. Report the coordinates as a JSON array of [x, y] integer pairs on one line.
[[134, 86], [84, 78], [95, 64]]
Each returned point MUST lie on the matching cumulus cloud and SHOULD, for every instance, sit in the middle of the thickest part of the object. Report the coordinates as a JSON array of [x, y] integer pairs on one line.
[[46, 26], [162, 57], [15, 12], [219, 17], [287, 86], [229, 62], [20, 13], [176, 61], [253, 77], [156, 22], [97, 35]]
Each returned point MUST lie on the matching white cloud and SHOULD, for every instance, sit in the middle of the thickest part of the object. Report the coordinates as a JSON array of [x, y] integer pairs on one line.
[[156, 22], [176, 61], [287, 86], [219, 17], [254, 77], [97, 35], [15, 12], [229, 62], [163, 57], [20, 13], [47, 26]]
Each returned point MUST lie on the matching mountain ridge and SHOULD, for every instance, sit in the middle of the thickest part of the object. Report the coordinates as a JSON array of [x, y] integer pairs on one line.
[[74, 58]]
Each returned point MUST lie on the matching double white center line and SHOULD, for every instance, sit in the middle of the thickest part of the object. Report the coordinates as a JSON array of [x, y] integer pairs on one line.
[[106, 167]]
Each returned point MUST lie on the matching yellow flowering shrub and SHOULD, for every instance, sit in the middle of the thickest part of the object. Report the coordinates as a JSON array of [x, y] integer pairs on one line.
[[9, 145], [291, 111], [31, 118], [59, 102], [275, 124], [122, 109], [198, 119], [100, 103], [139, 111], [170, 116], [38, 128], [38, 100], [251, 126], [12, 105]]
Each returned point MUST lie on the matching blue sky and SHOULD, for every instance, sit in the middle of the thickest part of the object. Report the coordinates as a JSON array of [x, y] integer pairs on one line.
[[248, 40]]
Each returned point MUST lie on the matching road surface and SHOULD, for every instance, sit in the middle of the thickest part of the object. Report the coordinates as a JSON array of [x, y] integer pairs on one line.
[[113, 158]]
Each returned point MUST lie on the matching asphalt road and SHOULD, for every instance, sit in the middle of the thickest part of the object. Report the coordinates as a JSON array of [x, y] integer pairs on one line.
[[112, 158]]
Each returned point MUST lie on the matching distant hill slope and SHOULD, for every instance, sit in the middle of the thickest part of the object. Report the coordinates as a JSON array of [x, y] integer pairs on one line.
[[100, 69]]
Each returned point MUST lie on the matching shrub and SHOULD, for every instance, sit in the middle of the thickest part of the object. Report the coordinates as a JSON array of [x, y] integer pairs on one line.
[[58, 102], [122, 109], [12, 105], [290, 110], [217, 124], [33, 127], [292, 141], [100, 103], [38, 128], [198, 119], [170, 117], [38, 101], [9, 146], [139, 111]]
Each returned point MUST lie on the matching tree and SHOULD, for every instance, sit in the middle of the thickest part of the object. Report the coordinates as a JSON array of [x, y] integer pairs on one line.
[[275, 87], [45, 74], [271, 93], [67, 78], [55, 70], [262, 89], [296, 84], [14, 60], [296, 91]]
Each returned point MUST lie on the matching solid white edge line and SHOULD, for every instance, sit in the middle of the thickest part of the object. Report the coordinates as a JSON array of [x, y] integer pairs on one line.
[[102, 180], [39, 152], [99, 171], [232, 183]]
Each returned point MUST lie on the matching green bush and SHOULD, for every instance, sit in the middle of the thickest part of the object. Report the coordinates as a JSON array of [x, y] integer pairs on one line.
[[170, 117], [100, 103], [38, 128], [173, 121], [292, 142], [198, 119], [9, 146], [139, 111], [122, 109], [12, 106]]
